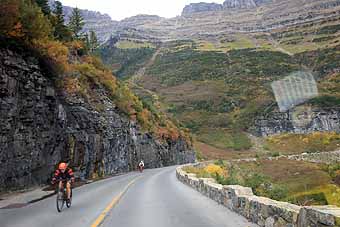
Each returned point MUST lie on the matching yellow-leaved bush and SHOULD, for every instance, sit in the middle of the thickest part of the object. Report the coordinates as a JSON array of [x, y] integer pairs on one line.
[[208, 171], [213, 169]]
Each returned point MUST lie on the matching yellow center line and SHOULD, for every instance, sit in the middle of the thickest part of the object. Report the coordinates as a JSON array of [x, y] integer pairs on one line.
[[114, 201]]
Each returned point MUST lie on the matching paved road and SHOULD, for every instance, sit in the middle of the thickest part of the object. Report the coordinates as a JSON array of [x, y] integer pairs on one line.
[[152, 199]]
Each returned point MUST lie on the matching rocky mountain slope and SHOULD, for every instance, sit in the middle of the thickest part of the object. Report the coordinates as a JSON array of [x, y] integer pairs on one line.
[[201, 7], [227, 5], [211, 20], [205, 20], [213, 68], [42, 124]]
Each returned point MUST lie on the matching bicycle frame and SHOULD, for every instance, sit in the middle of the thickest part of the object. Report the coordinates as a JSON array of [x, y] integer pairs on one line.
[[62, 196]]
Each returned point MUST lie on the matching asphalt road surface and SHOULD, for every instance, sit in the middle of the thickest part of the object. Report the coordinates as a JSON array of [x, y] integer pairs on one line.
[[154, 198]]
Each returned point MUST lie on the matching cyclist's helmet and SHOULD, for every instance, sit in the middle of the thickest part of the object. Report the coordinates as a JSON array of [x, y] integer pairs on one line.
[[62, 166]]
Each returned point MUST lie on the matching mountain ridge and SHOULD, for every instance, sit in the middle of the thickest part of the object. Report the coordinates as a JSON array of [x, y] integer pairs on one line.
[[211, 19]]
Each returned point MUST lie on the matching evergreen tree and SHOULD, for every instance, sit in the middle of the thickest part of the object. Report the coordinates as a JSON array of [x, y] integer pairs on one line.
[[76, 23], [61, 31], [45, 8], [35, 25], [58, 12], [93, 41]]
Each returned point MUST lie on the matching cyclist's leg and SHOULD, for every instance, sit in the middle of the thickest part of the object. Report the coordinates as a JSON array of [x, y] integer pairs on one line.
[[61, 185], [68, 189]]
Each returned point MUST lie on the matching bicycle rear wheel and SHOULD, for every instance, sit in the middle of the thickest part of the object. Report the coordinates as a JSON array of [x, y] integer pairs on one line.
[[60, 200]]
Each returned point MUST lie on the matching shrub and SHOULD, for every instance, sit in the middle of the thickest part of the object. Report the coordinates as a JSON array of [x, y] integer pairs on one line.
[[199, 155], [143, 118], [333, 169], [213, 169], [255, 181], [11, 26], [190, 169], [221, 179], [309, 199], [56, 52], [220, 162], [233, 177], [71, 85], [275, 154], [232, 180], [277, 192], [77, 48], [200, 172], [24, 20]]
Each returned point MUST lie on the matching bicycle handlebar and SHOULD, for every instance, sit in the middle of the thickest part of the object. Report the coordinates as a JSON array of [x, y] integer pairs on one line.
[[61, 180]]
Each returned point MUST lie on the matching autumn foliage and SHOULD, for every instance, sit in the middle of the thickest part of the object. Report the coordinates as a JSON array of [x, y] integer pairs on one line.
[[77, 73], [10, 26], [56, 51]]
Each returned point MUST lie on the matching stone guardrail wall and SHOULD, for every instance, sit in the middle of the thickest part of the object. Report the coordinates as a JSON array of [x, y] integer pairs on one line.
[[260, 210], [319, 157], [322, 157]]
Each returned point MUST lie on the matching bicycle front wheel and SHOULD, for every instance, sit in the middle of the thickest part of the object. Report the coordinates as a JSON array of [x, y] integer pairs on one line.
[[60, 201], [68, 204]]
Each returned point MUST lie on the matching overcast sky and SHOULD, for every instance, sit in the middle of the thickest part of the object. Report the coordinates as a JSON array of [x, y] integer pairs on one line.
[[120, 9]]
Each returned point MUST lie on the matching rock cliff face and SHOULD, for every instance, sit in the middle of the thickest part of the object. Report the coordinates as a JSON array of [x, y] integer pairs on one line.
[[239, 4], [201, 7], [227, 5], [260, 2], [289, 122], [137, 20], [40, 126], [211, 18]]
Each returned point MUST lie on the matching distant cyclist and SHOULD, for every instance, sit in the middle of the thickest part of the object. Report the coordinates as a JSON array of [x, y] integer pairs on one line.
[[141, 166], [64, 174]]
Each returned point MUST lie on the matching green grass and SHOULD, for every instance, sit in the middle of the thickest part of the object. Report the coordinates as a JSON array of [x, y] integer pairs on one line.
[[322, 61], [125, 44], [328, 194], [297, 144], [208, 85], [326, 101], [174, 68], [224, 139], [239, 42], [243, 74], [125, 62], [299, 182], [206, 46]]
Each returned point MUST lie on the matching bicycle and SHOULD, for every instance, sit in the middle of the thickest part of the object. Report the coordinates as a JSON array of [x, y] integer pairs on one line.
[[62, 197], [141, 168]]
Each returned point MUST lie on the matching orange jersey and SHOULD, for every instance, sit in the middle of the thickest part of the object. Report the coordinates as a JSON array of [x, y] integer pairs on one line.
[[67, 175]]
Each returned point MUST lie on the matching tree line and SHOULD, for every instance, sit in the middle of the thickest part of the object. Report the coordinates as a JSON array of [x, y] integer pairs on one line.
[[34, 19]]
